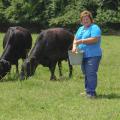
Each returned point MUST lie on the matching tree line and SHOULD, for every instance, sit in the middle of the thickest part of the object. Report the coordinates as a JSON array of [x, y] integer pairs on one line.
[[52, 13]]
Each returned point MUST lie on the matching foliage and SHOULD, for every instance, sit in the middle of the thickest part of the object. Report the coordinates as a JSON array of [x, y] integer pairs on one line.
[[57, 12], [2, 17], [108, 14]]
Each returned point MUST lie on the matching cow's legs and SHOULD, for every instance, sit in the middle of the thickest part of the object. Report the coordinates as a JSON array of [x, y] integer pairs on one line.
[[17, 70], [70, 69], [52, 70], [60, 68]]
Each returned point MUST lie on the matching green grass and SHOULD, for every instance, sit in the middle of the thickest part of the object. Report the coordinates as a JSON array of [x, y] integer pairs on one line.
[[38, 98]]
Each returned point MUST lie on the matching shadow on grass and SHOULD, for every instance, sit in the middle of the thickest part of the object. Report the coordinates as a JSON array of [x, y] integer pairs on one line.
[[61, 79], [10, 77], [109, 96], [66, 78]]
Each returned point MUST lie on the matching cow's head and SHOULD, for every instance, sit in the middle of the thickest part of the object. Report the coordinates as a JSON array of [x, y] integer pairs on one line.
[[5, 67], [28, 68]]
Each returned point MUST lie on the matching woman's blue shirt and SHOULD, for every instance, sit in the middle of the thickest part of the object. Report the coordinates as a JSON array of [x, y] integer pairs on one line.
[[90, 50]]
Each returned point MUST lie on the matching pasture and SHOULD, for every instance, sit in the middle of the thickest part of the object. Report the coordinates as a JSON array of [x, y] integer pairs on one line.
[[38, 98]]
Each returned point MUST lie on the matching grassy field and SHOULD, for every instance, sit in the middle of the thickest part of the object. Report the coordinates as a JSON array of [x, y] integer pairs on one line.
[[38, 98]]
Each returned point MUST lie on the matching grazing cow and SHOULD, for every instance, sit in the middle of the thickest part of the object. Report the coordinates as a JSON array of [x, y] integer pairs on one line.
[[16, 43], [5, 67], [51, 47]]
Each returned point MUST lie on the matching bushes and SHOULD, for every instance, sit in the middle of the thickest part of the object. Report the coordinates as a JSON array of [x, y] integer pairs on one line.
[[64, 13]]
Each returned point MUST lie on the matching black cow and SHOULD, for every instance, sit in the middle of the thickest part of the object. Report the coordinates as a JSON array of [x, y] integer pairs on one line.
[[16, 43], [5, 67], [51, 47]]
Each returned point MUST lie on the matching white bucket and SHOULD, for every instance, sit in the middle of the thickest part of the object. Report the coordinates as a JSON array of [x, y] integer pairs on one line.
[[75, 58]]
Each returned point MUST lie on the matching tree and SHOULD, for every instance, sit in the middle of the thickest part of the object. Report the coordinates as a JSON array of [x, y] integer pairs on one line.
[[110, 4]]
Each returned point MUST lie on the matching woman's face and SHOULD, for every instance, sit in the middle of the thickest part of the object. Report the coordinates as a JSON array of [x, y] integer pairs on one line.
[[86, 21]]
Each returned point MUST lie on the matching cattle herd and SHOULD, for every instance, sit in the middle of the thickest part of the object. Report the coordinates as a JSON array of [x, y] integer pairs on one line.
[[50, 49]]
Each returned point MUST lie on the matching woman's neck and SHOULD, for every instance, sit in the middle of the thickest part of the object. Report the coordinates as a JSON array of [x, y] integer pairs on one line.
[[86, 27]]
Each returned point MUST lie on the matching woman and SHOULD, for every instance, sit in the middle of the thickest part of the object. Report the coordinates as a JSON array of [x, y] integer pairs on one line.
[[88, 39]]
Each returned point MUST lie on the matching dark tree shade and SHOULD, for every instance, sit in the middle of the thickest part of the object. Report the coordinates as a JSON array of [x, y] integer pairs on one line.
[[110, 4]]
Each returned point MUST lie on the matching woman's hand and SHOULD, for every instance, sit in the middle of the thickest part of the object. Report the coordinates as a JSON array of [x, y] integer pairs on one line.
[[77, 42], [74, 49]]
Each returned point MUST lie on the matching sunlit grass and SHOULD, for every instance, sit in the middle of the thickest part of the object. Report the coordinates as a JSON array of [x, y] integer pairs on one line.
[[38, 98]]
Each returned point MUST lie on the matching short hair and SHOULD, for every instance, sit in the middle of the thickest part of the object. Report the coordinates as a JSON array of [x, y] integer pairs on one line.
[[86, 13]]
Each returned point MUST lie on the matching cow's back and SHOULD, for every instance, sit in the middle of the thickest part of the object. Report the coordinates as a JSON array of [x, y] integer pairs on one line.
[[19, 41], [19, 37], [57, 43]]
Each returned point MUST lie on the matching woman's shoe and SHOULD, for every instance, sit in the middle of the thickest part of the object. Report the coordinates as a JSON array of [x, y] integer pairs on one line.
[[91, 96]]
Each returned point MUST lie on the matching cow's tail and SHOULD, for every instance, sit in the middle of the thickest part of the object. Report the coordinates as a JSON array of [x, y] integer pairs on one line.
[[7, 46]]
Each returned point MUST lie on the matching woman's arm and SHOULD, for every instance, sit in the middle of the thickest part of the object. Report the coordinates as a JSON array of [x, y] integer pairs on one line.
[[74, 47], [86, 41]]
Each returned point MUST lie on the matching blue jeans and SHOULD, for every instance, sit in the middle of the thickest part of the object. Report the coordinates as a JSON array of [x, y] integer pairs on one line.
[[89, 68]]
